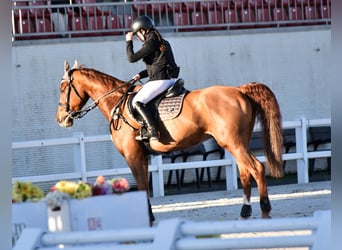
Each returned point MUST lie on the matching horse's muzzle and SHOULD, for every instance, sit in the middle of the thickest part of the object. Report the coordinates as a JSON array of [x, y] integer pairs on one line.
[[64, 121]]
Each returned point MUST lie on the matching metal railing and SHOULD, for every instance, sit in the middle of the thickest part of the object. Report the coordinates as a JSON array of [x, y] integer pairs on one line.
[[157, 168], [33, 20], [175, 234]]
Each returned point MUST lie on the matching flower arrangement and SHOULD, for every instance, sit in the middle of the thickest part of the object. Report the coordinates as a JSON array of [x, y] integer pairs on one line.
[[26, 192], [64, 190]]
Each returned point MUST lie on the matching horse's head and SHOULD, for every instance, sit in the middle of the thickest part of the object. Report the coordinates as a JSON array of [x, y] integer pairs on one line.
[[72, 97]]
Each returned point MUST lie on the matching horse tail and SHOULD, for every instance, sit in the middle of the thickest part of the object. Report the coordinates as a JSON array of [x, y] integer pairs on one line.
[[266, 108]]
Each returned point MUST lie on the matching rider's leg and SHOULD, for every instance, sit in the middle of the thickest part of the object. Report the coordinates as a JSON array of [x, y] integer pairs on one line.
[[147, 93], [149, 121]]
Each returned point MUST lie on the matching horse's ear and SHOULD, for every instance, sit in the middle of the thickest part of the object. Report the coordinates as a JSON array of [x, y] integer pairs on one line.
[[66, 66], [75, 65]]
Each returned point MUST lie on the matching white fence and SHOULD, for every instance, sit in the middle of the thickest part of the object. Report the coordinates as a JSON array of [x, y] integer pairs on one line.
[[157, 167], [175, 234]]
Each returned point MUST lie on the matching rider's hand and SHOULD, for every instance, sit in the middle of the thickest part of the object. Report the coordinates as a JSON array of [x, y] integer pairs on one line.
[[129, 36], [136, 77]]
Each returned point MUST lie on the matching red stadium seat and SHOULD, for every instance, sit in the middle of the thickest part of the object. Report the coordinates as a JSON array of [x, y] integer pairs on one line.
[[175, 7], [231, 16], [247, 16], [128, 20], [192, 6], [22, 27], [158, 7], [310, 12], [181, 19], [225, 5], [113, 22], [280, 14], [44, 25], [197, 18], [215, 17], [295, 13], [23, 13], [38, 12], [324, 12], [141, 9], [78, 23], [89, 10], [208, 5]]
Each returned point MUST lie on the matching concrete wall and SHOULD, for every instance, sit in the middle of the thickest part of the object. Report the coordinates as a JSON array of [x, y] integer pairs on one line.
[[294, 63]]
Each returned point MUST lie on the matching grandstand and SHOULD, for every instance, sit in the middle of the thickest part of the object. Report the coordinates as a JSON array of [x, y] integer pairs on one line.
[[31, 20]]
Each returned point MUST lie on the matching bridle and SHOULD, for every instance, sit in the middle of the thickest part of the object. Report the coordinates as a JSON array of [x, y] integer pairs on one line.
[[77, 114]]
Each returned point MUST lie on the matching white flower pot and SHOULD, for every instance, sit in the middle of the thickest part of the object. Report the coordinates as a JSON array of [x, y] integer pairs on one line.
[[117, 211], [59, 220]]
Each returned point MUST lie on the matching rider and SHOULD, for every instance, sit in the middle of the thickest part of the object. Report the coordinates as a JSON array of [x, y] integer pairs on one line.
[[160, 68]]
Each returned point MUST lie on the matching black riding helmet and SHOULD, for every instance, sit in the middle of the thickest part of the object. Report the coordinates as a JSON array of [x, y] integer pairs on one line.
[[142, 22]]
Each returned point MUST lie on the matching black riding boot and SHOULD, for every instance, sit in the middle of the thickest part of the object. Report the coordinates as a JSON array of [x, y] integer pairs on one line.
[[149, 121]]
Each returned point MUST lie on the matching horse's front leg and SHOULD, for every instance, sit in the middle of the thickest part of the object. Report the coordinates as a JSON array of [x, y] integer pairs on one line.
[[139, 168]]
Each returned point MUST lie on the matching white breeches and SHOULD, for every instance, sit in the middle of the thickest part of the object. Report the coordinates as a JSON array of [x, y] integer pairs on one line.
[[151, 89]]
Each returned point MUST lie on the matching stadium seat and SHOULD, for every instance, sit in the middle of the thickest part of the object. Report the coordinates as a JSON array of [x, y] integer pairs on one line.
[[208, 5], [310, 13], [20, 13], [280, 14], [158, 7], [181, 19], [263, 15], [231, 17], [38, 12], [113, 22], [215, 17], [175, 7], [225, 5], [191, 6], [128, 20], [271, 4], [95, 23], [295, 14], [247, 16], [324, 11], [212, 152], [22, 27], [44, 25], [318, 136], [289, 141], [141, 8], [89, 11], [78, 23], [197, 18], [195, 153]]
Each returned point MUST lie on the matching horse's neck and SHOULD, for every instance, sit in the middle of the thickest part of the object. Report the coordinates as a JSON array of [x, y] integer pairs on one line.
[[106, 95]]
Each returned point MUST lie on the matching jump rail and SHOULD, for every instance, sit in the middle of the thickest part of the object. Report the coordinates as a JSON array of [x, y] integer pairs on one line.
[[175, 234], [157, 167]]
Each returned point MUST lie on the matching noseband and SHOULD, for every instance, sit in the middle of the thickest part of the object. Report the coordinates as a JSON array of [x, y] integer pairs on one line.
[[77, 114]]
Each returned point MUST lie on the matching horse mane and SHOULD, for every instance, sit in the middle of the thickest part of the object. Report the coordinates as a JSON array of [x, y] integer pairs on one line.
[[94, 74]]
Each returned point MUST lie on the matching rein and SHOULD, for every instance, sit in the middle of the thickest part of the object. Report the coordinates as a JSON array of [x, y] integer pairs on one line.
[[73, 114]]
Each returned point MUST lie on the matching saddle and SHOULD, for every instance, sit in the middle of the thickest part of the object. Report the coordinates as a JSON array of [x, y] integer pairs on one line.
[[165, 106]]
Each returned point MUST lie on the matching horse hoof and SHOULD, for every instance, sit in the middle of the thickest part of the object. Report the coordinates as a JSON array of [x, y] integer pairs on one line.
[[266, 216], [246, 211]]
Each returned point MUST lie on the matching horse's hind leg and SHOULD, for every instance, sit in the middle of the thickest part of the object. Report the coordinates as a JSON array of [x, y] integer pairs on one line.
[[250, 167]]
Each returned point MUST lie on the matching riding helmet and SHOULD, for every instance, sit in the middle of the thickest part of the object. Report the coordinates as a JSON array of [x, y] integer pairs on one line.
[[142, 22]]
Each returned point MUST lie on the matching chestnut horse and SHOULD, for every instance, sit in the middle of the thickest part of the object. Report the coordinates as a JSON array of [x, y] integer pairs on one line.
[[227, 113]]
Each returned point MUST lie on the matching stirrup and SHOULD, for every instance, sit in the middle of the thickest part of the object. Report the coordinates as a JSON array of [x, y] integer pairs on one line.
[[145, 135]]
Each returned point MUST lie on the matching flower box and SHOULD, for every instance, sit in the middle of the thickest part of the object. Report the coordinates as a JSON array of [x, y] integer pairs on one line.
[[117, 211], [28, 214]]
